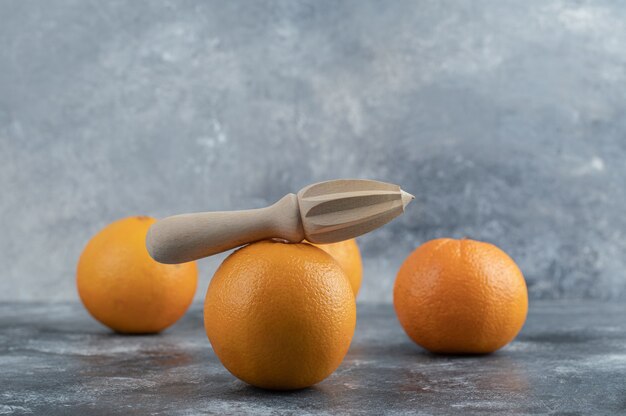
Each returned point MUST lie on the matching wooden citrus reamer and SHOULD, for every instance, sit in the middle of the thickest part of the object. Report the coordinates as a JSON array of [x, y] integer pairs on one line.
[[324, 212]]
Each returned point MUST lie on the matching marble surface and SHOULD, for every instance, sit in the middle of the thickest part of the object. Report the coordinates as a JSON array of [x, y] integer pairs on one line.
[[570, 359], [504, 117]]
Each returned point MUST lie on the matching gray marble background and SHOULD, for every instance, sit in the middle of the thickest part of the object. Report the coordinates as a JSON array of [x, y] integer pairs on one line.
[[505, 118]]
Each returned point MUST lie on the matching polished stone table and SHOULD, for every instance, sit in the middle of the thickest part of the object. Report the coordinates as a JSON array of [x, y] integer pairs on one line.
[[570, 359]]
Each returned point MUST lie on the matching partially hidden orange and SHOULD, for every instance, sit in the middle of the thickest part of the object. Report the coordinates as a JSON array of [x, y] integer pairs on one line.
[[348, 255], [460, 297], [280, 316], [124, 288]]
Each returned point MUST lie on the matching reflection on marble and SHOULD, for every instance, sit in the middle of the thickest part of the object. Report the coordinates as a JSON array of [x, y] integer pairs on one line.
[[55, 360]]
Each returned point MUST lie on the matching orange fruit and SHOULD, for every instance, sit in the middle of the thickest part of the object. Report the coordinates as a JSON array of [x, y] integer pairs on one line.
[[460, 297], [280, 316], [347, 254], [124, 288]]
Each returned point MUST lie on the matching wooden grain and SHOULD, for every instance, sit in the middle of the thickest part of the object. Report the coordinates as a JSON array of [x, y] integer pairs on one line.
[[342, 209], [188, 237], [325, 212]]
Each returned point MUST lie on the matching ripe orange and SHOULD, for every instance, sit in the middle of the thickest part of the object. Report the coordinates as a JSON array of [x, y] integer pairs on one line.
[[348, 256], [280, 316], [123, 288], [460, 296]]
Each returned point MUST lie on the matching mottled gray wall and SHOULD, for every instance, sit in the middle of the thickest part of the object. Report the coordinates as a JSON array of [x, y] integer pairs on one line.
[[505, 118]]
